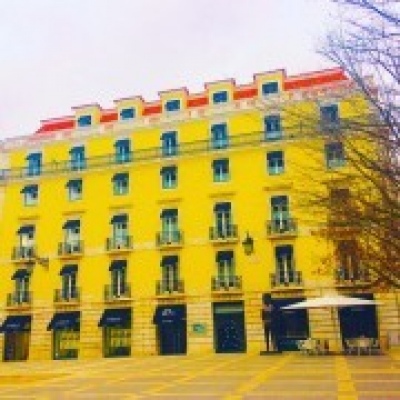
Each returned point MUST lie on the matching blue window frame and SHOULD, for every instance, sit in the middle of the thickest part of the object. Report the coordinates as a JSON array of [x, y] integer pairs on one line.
[[34, 167], [127, 113], [78, 159], [334, 155], [272, 127], [120, 183], [169, 177], [219, 136], [329, 115], [220, 97], [275, 162], [30, 195], [172, 105], [74, 188], [269, 88], [169, 223], [123, 151], [279, 210], [68, 275], [84, 120], [221, 170], [284, 261], [225, 267]]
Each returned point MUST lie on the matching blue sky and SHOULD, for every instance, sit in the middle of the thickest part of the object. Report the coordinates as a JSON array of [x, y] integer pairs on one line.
[[58, 54]]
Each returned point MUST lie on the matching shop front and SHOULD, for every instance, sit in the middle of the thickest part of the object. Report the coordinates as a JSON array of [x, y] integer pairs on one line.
[[229, 327], [66, 334], [116, 324], [17, 330], [171, 329]]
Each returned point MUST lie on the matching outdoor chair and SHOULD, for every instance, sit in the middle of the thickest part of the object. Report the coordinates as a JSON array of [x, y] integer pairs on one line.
[[351, 346]]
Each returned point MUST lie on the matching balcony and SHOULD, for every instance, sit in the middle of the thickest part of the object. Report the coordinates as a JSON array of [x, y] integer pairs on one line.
[[117, 293], [23, 253], [167, 240], [119, 244], [224, 234], [352, 276], [70, 249], [285, 227], [287, 279], [19, 299], [170, 288], [72, 296], [226, 284]]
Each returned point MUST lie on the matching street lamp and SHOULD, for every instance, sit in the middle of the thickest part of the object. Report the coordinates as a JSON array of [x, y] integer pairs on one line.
[[248, 244]]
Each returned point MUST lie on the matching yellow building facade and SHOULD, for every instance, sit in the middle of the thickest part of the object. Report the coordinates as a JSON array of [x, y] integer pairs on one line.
[[162, 227]]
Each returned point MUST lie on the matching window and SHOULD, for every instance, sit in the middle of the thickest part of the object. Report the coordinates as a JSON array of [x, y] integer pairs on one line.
[[72, 233], [269, 88], [334, 155], [77, 160], [22, 283], [84, 120], [219, 136], [348, 257], [220, 97], [74, 187], [170, 274], [121, 183], [68, 282], [272, 127], [169, 144], [276, 162], [127, 113], [34, 164], [329, 115], [172, 105], [223, 221], [280, 213], [285, 269], [169, 225], [169, 177], [225, 269], [119, 224], [26, 235], [122, 151], [30, 195], [221, 170], [118, 278]]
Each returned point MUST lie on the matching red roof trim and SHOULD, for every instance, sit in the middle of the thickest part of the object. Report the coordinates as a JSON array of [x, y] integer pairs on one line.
[[56, 126], [150, 110], [244, 94], [113, 116], [197, 102], [303, 83]]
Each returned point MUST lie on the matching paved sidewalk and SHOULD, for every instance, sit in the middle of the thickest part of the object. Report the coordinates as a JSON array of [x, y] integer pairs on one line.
[[289, 376]]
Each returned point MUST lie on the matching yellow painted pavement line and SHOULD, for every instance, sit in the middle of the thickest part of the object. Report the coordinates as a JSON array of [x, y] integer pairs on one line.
[[346, 388], [259, 378]]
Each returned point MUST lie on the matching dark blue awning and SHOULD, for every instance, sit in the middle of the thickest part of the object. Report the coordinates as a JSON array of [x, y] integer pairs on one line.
[[169, 212], [224, 207], [74, 182], [72, 223], [17, 323], [119, 218], [116, 317], [77, 150], [29, 189], [122, 143], [171, 135], [26, 229], [20, 273], [224, 256], [69, 269], [169, 260], [222, 162], [169, 314], [34, 156], [120, 176], [65, 320], [170, 169], [279, 200], [117, 264]]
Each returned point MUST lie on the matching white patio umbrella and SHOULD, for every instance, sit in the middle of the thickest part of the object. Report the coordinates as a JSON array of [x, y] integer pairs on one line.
[[332, 302]]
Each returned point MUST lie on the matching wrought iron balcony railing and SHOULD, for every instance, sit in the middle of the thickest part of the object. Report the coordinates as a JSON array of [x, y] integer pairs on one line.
[[72, 295], [20, 253], [166, 238], [286, 278], [70, 248], [225, 232], [119, 243], [233, 282], [281, 227], [19, 299], [169, 287], [351, 276], [117, 292]]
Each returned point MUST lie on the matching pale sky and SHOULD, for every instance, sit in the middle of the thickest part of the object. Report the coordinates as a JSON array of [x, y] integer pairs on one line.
[[56, 54]]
